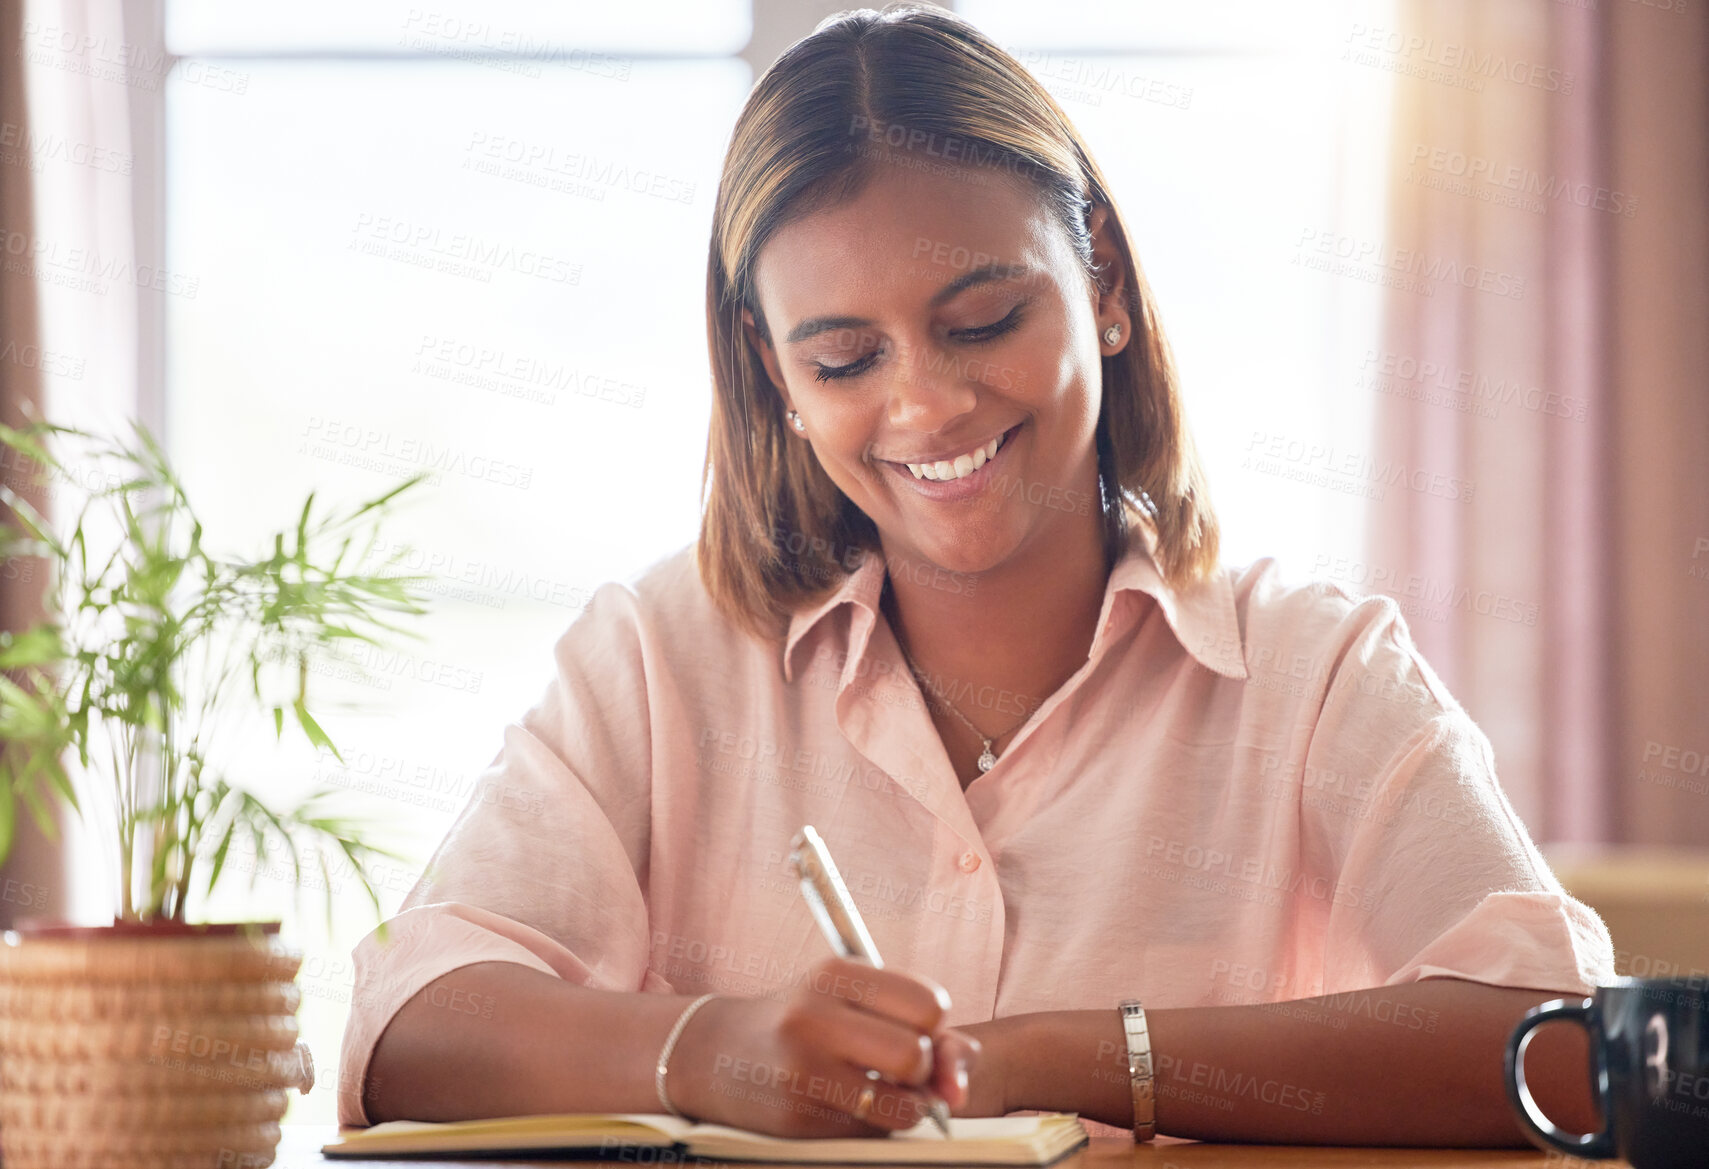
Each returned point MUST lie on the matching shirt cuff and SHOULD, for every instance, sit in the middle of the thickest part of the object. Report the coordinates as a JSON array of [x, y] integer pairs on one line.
[[1536, 940], [422, 944]]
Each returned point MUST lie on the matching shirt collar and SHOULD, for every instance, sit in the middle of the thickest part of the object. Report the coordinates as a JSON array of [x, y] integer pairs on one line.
[[1203, 618]]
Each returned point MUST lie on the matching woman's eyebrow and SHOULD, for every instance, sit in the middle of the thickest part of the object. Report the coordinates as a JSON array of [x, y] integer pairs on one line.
[[984, 274]]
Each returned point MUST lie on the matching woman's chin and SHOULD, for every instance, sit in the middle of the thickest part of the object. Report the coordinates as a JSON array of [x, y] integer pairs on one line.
[[943, 557]]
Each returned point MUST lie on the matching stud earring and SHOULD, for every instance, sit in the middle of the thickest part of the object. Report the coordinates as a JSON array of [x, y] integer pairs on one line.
[[1113, 334], [795, 421]]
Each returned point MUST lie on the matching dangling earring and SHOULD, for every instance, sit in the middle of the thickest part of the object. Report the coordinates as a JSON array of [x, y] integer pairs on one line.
[[1113, 334], [795, 421]]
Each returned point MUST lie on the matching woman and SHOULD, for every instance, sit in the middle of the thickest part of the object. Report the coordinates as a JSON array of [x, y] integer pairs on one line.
[[956, 602]]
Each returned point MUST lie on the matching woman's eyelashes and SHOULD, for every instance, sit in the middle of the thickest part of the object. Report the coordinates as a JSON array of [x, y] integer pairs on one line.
[[826, 373]]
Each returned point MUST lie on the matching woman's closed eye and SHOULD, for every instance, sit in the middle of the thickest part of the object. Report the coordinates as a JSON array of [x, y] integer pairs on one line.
[[975, 335]]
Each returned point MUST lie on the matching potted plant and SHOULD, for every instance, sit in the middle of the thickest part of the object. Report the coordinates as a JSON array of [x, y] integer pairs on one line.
[[155, 1040]]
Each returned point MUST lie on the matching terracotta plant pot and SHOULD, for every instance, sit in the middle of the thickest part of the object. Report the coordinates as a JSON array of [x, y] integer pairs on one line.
[[146, 1046]]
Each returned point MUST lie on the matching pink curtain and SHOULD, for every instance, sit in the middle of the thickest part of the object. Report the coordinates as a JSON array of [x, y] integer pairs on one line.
[[80, 85], [1550, 176], [35, 879]]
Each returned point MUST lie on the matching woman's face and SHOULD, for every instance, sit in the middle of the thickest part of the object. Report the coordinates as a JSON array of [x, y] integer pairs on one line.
[[919, 321]]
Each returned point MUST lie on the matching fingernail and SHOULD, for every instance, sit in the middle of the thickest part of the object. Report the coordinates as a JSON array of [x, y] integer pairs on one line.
[[961, 1074]]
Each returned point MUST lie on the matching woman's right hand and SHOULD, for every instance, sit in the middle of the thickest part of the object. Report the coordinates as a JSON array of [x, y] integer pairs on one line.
[[796, 1067]]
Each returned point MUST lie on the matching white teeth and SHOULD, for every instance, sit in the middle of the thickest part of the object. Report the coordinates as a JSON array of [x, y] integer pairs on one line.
[[960, 466]]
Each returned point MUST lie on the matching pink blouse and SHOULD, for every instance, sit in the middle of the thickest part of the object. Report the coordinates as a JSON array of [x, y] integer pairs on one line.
[[1250, 792]]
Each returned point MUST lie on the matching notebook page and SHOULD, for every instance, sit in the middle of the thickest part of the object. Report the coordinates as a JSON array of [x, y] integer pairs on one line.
[[961, 1128]]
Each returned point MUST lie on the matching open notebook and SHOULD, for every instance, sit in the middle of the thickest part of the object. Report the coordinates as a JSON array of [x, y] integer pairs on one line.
[[995, 1140]]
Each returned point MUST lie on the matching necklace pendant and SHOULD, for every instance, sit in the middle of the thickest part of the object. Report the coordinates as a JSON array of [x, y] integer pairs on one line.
[[987, 760]]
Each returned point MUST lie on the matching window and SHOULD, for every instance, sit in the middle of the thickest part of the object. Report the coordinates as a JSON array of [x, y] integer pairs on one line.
[[467, 240]]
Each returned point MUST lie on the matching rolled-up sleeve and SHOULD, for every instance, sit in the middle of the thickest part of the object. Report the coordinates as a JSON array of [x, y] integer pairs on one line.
[[1437, 875], [546, 866]]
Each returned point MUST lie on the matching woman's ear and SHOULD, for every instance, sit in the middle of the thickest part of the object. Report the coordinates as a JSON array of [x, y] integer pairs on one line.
[[768, 357], [1111, 304]]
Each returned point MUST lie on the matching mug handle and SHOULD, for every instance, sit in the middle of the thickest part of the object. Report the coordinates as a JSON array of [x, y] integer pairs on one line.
[[1540, 1127]]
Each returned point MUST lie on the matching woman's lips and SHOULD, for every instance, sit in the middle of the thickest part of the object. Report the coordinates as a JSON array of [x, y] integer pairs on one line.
[[949, 490]]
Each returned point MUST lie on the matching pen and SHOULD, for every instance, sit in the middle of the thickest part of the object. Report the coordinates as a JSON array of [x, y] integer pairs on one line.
[[839, 920]]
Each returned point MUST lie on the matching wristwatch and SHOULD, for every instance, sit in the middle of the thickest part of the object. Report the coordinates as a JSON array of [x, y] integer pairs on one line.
[[1139, 1069]]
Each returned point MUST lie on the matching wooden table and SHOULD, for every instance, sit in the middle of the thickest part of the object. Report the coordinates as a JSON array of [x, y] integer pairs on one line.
[[300, 1149]]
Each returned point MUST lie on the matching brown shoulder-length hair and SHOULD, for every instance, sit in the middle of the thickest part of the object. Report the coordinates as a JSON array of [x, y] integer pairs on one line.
[[776, 533]]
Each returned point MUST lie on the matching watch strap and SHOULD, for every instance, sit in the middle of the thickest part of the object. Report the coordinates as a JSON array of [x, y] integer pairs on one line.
[[1139, 1069]]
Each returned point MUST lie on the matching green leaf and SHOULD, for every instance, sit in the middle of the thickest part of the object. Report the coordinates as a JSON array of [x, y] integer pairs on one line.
[[357, 863], [303, 524], [257, 845], [382, 500], [46, 762], [263, 815], [8, 819], [326, 884], [38, 810], [218, 861], [312, 729], [31, 520], [34, 647]]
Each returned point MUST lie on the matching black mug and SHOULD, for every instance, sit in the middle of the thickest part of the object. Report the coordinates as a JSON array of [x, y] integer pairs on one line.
[[1649, 1066]]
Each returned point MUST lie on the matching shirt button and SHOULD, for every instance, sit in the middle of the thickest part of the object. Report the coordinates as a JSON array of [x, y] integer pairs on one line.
[[969, 861]]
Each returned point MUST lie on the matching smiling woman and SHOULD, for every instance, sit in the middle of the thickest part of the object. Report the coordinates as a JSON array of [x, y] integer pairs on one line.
[[1171, 844], [889, 402]]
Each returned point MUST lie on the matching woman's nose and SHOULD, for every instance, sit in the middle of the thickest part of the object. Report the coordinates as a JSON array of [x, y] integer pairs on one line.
[[926, 389]]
